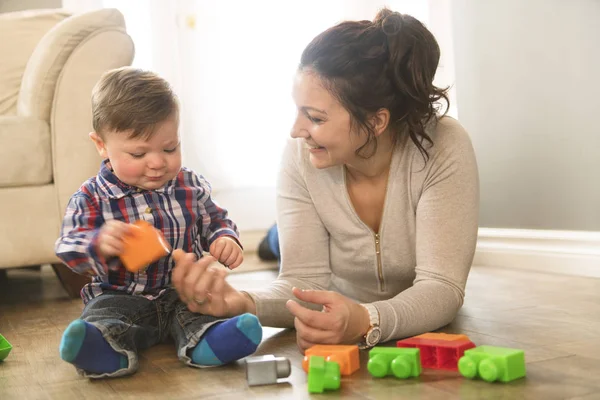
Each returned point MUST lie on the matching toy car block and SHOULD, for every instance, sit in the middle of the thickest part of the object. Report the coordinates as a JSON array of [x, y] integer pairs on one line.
[[400, 362], [492, 363], [5, 348], [442, 336], [345, 355], [267, 369], [143, 246], [322, 375], [438, 354]]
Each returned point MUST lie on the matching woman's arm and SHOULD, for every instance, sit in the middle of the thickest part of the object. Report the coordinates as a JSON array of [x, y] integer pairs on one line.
[[446, 236], [303, 240]]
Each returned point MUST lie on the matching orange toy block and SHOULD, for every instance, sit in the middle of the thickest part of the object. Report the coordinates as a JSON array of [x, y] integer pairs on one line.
[[345, 355], [143, 246], [442, 336]]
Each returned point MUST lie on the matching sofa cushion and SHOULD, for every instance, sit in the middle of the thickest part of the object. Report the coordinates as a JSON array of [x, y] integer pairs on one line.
[[20, 32], [25, 152], [51, 54]]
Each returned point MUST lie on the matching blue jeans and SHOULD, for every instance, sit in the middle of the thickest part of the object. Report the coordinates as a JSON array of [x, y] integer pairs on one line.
[[132, 323], [273, 240]]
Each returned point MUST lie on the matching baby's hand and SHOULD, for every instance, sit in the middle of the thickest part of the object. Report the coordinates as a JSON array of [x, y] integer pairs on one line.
[[110, 238], [226, 250]]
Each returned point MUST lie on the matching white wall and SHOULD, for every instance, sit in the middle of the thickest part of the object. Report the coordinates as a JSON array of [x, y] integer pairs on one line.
[[527, 81]]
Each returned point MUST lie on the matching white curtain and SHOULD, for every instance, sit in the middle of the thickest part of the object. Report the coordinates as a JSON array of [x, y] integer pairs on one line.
[[232, 65]]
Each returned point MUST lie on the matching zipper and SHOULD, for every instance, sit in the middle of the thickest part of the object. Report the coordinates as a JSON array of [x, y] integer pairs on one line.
[[377, 236], [379, 267]]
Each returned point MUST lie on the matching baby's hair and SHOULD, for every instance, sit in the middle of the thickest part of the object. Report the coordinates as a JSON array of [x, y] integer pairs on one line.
[[133, 100]]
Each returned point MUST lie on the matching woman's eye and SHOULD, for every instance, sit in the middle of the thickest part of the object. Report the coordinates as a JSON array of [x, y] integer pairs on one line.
[[315, 119]]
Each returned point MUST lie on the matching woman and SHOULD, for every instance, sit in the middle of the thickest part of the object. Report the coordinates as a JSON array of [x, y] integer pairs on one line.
[[377, 197]]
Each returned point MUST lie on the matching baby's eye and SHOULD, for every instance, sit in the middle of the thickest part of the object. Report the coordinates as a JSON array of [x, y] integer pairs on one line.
[[172, 150], [137, 155]]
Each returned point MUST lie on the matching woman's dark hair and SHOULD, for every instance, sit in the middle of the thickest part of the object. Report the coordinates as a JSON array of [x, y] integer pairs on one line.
[[387, 63]]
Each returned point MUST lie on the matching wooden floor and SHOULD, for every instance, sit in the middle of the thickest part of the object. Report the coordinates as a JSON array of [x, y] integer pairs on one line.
[[554, 318]]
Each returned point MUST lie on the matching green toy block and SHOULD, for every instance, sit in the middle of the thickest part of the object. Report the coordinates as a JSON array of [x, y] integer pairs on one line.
[[492, 363], [5, 348], [400, 362], [322, 375]]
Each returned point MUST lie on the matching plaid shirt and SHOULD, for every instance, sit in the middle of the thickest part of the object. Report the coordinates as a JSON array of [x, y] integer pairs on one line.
[[182, 210]]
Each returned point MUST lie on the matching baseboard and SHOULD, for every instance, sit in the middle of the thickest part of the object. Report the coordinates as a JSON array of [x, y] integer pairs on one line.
[[251, 239], [563, 252]]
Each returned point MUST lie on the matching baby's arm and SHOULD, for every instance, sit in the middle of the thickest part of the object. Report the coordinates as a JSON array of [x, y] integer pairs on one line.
[[77, 246]]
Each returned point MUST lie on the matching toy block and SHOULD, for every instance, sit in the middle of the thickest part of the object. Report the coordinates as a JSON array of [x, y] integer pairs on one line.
[[322, 375], [492, 363], [442, 336], [400, 362], [438, 354], [5, 348], [265, 370], [143, 246], [346, 356]]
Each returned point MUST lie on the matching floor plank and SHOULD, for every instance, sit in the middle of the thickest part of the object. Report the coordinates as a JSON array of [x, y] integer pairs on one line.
[[554, 318]]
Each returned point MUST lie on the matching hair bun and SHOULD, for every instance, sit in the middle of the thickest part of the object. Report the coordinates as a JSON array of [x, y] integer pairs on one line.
[[389, 21]]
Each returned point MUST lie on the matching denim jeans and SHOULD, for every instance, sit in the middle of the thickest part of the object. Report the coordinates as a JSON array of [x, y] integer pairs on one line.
[[131, 323], [273, 240]]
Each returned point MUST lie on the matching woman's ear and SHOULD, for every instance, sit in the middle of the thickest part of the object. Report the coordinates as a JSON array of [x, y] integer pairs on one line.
[[380, 121], [99, 143]]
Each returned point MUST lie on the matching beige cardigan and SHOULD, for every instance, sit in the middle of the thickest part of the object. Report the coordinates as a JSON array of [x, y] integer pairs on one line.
[[427, 235]]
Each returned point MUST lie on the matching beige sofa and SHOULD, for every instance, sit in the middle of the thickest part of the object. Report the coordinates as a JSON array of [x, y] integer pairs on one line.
[[49, 62]]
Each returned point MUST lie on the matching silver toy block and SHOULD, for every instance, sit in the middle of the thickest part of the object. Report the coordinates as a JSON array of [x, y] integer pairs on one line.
[[265, 370]]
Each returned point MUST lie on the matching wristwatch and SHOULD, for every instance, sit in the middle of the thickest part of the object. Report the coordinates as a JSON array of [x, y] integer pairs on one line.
[[373, 335]]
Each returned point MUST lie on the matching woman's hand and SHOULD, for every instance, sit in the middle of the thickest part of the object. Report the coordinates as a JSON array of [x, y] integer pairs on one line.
[[342, 320], [203, 287], [226, 251]]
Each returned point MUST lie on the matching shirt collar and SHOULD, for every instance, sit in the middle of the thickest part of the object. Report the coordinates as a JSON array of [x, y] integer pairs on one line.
[[112, 187]]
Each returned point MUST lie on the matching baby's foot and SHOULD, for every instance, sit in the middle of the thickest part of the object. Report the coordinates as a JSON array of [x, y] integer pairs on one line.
[[228, 341], [84, 346]]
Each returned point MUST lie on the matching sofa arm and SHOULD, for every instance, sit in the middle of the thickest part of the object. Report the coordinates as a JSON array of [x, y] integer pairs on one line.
[[24, 152], [52, 52], [74, 157]]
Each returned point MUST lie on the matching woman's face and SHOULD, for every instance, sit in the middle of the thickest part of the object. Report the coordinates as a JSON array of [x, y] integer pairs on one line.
[[323, 123]]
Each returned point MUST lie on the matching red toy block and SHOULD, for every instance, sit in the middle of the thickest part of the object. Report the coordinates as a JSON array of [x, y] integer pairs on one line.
[[436, 353], [143, 246], [345, 355]]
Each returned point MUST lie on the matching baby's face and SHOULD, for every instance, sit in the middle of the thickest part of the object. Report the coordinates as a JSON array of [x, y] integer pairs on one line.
[[146, 163]]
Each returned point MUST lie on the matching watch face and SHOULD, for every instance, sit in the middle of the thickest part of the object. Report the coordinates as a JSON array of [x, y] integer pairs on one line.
[[374, 336]]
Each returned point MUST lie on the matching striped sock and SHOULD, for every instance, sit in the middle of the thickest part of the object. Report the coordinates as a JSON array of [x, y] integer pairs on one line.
[[228, 341], [84, 346]]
